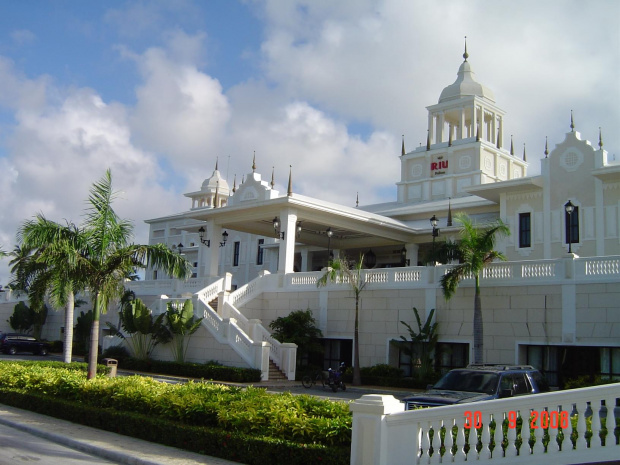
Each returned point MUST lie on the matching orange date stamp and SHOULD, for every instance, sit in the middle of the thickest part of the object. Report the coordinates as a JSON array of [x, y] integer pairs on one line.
[[542, 419]]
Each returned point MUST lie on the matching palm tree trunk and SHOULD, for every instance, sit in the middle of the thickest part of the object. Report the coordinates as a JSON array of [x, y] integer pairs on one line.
[[357, 375], [478, 326], [68, 343], [94, 339]]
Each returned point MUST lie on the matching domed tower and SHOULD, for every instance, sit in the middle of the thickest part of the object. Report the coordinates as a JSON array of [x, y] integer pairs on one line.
[[464, 145], [213, 193]]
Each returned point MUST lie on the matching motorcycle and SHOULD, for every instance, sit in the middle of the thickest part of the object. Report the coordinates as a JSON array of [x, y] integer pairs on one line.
[[334, 378]]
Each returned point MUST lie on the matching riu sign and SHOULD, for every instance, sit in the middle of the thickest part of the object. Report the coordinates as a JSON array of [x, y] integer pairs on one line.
[[439, 165]]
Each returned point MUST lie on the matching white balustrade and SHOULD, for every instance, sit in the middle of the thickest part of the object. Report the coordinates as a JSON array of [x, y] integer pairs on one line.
[[579, 419]]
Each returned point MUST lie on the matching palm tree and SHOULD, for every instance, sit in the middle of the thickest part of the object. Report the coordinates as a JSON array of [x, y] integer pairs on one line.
[[340, 270], [52, 267], [111, 258], [476, 250]]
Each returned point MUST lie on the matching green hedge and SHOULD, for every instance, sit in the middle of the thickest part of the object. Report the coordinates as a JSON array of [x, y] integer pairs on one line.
[[193, 370], [251, 450], [251, 418]]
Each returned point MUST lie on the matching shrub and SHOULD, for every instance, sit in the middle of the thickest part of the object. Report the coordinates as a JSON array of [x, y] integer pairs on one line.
[[117, 352]]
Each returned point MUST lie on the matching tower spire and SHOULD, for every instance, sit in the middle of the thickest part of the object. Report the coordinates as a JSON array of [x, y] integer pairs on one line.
[[449, 221], [402, 152], [466, 55], [217, 159], [357, 199], [546, 147], [289, 192], [572, 122], [600, 138], [254, 162], [273, 168], [234, 189], [524, 156]]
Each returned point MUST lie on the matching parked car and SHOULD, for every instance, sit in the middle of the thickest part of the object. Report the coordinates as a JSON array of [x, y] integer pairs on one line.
[[480, 382], [12, 343]]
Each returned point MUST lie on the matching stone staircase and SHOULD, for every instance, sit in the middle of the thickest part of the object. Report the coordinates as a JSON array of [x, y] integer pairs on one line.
[[275, 374]]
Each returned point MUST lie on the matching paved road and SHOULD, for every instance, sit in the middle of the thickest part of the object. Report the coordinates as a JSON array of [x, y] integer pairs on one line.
[[18, 447]]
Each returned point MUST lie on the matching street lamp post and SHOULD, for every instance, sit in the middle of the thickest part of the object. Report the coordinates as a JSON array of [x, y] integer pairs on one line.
[[329, 233], [434, 222], [569, 208]]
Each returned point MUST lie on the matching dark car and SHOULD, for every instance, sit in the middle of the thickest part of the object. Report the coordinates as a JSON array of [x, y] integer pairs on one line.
[[12, 343], [480, 382]]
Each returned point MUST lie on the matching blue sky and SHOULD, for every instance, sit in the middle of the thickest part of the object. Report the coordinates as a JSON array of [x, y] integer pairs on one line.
[[157, 90]]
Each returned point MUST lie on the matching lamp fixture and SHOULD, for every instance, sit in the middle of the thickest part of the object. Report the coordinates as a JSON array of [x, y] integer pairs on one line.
[[180, 248], [224, 239], [201, 232], [329, 234], [276, 228], [569, 208], [403, 256], [434, 222], [298, 228]]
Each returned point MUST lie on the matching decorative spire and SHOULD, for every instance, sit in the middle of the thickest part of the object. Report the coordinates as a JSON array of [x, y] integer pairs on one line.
[[572, 122], [234, 189], [217, 193], [289, 192], [403, 149], [216, 161], [254, 162], [466, 55], [512, 147], [242, 179], [600, 138], [428, 140], [357, 200], [524, 157], [272, 179], [546, 147], [449, 222]]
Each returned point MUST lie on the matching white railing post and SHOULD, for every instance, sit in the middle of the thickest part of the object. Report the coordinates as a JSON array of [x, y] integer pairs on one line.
[[369, 433], [289, 359], [261, 358]]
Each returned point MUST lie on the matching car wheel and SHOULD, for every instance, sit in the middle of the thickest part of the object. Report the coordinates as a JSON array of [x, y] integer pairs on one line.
[[43, 351], [12, 350]]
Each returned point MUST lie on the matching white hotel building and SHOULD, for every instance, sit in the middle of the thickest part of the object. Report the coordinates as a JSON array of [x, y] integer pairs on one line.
[[546, 307]]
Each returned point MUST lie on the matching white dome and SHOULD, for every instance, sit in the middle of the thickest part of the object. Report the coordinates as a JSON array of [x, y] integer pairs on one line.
[[216, 180], [465, 85]]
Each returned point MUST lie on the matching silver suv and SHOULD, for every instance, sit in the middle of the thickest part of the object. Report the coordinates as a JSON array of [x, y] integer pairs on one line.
[[480, 382]]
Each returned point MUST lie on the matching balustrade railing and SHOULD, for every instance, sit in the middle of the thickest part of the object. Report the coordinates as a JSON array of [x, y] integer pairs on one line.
[[574, 426]]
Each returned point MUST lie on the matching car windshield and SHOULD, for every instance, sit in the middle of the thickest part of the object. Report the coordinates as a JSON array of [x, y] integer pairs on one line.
[[469, 381]]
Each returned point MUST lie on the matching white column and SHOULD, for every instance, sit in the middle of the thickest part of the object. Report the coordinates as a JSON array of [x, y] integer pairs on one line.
[[462, 129], [212, 253], [431, 128], [286, 259], [304, 259]]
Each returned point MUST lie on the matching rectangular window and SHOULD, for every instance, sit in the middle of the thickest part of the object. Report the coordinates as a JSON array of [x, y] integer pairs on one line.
[[525, 230], [259, 252], [572, 229], [236, 253], [154, 275]]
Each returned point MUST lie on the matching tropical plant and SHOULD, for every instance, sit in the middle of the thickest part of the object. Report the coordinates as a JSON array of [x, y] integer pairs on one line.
[[299, 327], [22, 318], [48, 263], [421, 345], [82, 332], [103, 255], [181, 323], [145, 331], [339, 270], [476, 250]]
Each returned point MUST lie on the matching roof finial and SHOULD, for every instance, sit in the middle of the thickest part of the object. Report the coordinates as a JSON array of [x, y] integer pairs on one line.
[[546, 147], [524, 157], [428, 140], [357, 200], [216, 199], [600, 138], [273, 168], [235, 184], [289, 192], [466, 55], [403, 149], [512, 147], [254, 162], [572, 122], [449, 222], [216, 160]]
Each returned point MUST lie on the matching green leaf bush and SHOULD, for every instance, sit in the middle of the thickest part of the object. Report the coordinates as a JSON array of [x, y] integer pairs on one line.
[[248, 419]]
